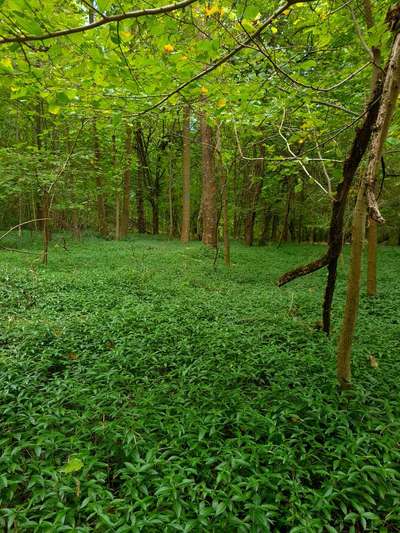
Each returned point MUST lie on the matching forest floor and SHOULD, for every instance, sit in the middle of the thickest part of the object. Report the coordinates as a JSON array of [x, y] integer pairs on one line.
[[141, 389]]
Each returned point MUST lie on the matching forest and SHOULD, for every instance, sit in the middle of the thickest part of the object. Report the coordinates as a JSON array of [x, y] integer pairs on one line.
[[199, 264]]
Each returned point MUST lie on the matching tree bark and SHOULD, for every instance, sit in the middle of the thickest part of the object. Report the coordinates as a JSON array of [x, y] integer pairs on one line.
[[126, 194], [372, 227], [366, 197], [142, 164], [266, 225], [209, 207], [101, 208], [185, 230], [343, 360], [45, 233], [253, 194], [285, 228], [335, 237]]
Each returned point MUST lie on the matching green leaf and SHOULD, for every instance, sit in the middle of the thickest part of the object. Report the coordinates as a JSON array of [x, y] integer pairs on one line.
[[74, 465]]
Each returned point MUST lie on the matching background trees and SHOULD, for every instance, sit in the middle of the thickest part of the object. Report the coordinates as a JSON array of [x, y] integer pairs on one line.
[[274, 104]]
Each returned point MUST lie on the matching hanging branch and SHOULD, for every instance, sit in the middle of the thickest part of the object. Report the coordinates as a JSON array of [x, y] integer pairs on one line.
[[101, 22]]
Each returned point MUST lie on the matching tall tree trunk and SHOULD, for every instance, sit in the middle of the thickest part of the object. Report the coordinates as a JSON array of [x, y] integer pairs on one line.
[[101, 208], [117, 190], [275, 225], [185, 231], [253, 194], [142, 165], [126, 195], [209, 208], [372, 226], [367, 192], [372, 257], [224, 196], [285, 228], [266, 225], [74, 213], [46, 233], [343, 366], [336, 230]]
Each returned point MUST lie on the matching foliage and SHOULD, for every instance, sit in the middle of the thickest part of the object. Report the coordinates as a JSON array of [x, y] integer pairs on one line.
[[138, 394]]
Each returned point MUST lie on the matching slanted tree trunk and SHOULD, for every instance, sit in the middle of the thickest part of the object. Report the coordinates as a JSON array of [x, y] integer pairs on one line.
[[126, 193], [336, 231], [209, 206], [372, 226], [142, 163], [366, 197], [185, 230]]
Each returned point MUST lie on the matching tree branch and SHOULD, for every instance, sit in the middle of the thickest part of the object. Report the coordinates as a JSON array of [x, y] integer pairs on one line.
[[101, 22]]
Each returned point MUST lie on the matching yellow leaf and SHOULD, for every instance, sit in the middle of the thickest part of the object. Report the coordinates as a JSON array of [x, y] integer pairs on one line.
[[209, 11], [286, 12], [221, 102], [204, 90], [183, 58], [54, 109], [7, 63], [168, 48], [274, 30]]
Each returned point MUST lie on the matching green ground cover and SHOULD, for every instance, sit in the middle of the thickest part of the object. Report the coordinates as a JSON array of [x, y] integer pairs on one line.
[[143, 390]]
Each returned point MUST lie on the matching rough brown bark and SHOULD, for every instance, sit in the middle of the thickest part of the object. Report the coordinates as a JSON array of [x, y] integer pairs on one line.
[[185, 230], [142, 164], [266, 225], [126, 193], [209, 206], [253, 194], [101, 208], [285, 228], [343, 361], [46, 232], [366, 197], [372, 257], [372, 227]]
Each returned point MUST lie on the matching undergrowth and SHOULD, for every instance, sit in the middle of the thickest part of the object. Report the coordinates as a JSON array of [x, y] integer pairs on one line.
[[141, 389]]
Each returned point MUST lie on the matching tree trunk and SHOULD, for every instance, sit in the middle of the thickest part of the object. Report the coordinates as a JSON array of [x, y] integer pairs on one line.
[[266, 225], [101, 208], [141, 220], [275, 225], [389, 96], [117, 191], [372, 257], [209, 208], [343, 361], [185, 231], [253, 194], [126, 194], [46, 234], [285, 229], [372, 227]]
